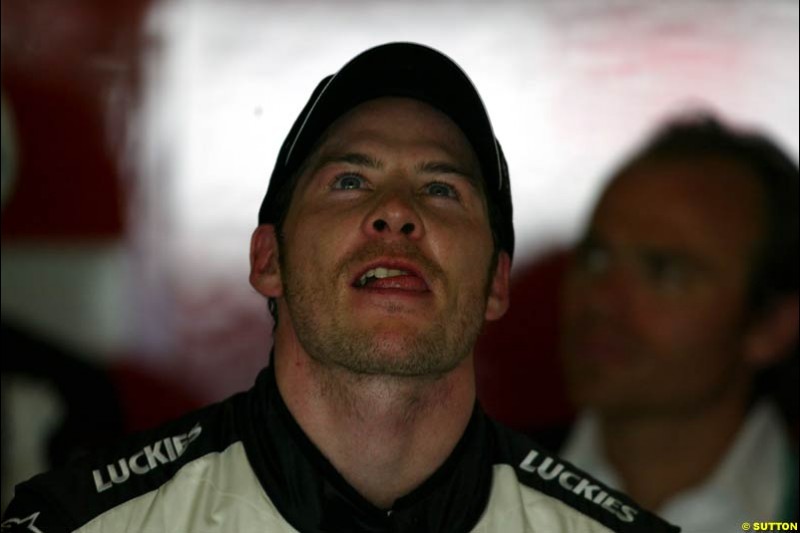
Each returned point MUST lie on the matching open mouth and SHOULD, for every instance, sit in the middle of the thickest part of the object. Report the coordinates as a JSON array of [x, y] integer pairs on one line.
[[391, 278]]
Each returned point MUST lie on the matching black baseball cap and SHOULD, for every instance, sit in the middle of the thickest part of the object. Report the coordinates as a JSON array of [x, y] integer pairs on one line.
[[402, 70]]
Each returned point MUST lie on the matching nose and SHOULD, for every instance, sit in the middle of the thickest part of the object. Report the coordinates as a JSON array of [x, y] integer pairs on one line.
[[394, 215]]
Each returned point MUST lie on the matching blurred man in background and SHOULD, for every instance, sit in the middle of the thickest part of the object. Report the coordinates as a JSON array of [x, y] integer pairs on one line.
[[680, 327]]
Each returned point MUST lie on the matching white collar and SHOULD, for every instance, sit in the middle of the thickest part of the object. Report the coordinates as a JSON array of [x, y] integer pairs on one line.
[[749, 483]]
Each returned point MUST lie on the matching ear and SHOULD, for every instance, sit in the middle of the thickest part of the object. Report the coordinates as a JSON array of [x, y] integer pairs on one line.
[[773, 334], [265, 272], [499, 299]]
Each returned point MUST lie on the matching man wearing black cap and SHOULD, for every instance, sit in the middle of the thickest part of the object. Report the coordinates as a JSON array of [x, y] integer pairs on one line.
[[385, 242]]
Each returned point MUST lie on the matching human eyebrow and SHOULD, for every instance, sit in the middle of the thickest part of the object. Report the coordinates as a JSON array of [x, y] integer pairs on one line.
[[443, 167], [352, 158], [591, 240]]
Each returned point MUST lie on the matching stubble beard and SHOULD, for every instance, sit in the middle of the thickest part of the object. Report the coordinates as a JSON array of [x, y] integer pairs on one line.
[[332, 339]]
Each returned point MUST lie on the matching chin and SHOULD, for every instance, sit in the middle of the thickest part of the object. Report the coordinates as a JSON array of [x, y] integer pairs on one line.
[[400, 356]]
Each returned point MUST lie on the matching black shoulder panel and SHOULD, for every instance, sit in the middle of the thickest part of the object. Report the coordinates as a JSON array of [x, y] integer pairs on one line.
[[70, 497], [551, 475]]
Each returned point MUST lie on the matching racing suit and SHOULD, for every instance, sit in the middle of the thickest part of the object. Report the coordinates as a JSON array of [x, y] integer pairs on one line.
[[244, 465]]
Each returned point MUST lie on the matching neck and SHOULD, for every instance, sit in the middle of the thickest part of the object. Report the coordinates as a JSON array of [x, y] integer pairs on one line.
[[375, 429], [658, 457]]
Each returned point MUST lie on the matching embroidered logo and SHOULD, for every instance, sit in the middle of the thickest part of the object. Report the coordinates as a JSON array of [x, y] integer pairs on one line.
[[29, 523], [161, 452], [551, 470]]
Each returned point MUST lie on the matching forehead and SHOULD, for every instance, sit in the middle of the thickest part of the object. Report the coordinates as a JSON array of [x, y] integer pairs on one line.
[[707, 204], [403, 125]]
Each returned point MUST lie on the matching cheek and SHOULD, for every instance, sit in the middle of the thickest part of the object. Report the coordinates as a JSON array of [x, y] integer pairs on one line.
[[689, 326], [466, 254], [693, 351], [313, 239]]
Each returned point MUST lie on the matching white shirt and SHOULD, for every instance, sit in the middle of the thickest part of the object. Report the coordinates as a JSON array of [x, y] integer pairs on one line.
[[751, 483]]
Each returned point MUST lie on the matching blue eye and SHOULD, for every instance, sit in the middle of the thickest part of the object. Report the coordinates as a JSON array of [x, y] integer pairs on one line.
[[593, 259], [348, 182], [666, 272], [441, 189]]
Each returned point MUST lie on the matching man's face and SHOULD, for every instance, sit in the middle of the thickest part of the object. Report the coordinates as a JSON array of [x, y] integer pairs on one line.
[[655, 304], [386, 247]]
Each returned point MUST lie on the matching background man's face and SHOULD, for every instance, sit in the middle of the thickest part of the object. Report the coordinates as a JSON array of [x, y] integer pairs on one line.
[[387, 246], [654, 307]]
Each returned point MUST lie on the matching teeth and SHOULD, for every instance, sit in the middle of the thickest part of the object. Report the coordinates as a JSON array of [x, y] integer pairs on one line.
[[379, 273]]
